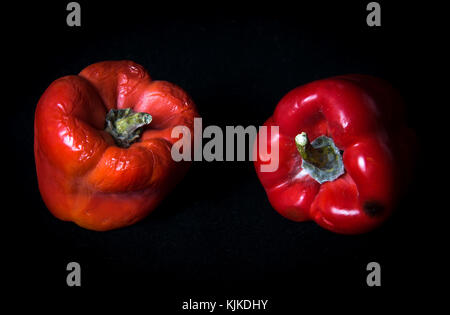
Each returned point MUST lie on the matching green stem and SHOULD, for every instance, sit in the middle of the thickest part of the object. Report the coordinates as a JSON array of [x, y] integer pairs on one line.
[[322, 160], [302, 143], [125, 125]]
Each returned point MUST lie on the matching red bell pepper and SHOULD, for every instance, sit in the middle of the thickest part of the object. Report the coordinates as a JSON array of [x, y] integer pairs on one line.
[[350, 176], [103, 143]]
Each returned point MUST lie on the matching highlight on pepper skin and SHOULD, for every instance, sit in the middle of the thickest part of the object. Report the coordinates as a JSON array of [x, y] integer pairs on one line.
[[102, 144], [345, 153]]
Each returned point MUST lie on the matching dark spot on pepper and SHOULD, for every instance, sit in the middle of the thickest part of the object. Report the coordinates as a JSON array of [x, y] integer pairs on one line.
[[373, 208]]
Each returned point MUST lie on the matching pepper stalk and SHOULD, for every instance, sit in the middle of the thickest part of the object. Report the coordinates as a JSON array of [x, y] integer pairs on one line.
[[126, 125], [321, 159]]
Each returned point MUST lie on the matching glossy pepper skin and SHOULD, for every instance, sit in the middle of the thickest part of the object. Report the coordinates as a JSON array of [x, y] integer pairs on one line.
[[364, 116], [83, 175]]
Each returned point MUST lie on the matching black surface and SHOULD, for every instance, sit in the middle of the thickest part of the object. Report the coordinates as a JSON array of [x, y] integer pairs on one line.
[[216, 235]]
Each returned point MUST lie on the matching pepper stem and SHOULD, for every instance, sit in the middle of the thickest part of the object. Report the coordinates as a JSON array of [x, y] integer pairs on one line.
[[321, 159], [301, 141], [125, 125]]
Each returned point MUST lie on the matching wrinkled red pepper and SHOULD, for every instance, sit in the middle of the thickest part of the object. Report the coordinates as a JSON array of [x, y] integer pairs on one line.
[[103, 143], [369, 155]]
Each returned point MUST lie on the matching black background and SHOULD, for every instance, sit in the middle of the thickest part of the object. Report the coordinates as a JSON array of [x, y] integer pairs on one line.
[[216, 236]]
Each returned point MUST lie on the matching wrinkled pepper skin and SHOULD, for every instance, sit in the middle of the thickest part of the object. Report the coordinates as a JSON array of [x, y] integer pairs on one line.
[[83, 176], [365, 117]]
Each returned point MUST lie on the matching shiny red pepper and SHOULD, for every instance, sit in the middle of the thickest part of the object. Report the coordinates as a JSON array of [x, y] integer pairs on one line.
[[363, 118]]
